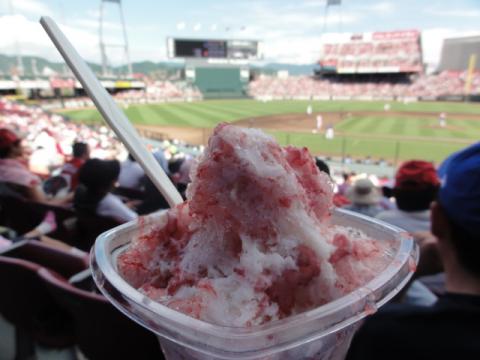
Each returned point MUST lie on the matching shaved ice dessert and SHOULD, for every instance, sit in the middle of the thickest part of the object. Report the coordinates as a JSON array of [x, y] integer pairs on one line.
[[254, 241]]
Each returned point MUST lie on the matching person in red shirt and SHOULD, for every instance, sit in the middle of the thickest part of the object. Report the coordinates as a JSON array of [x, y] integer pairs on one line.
[[15, 174], [81, 153], [13, 168]]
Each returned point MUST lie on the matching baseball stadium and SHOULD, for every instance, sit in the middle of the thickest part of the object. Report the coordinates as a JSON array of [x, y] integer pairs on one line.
[[250, 180], [388, 112]]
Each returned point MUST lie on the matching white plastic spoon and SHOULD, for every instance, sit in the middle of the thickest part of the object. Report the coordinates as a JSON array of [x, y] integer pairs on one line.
[[111, 112]]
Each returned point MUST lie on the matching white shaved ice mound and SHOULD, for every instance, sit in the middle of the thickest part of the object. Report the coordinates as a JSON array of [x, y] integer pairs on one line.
[[253, 242]]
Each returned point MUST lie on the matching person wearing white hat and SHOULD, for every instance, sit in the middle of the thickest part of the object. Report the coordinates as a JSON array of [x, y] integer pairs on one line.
[[365, 198]]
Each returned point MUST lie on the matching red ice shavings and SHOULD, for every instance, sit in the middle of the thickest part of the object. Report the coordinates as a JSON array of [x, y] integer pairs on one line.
[[355, 261], [253, 241], [284, 289]]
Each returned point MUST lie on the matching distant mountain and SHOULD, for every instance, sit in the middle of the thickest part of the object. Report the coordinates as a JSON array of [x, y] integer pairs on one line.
[[43, 67], [47, 68], [160, 70]]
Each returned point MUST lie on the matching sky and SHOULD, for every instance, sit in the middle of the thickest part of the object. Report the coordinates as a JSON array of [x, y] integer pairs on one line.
[[291, 31]]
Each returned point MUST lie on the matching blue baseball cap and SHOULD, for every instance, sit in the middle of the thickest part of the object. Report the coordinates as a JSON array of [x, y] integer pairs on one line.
[[459, 192]]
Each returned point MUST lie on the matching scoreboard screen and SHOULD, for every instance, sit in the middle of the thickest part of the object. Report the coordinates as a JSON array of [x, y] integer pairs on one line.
[[200, 48], [217, 49]]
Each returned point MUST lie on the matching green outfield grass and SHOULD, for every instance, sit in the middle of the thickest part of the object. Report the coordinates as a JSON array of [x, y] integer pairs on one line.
[[381, 136], [376, 148]]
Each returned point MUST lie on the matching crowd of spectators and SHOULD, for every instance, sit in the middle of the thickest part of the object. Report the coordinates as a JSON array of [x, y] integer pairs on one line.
[[48, 137], [397, 51], [446, 83], [48, 159], [167, 90], [374, 54], [159, 91], [155, 92]]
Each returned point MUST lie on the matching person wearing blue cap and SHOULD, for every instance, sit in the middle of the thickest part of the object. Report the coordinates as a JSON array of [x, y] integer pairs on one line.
[[448, 329]]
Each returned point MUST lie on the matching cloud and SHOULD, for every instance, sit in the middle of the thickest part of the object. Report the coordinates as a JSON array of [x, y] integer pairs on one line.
[[92, 24], [462, 13], [289, 33], [318, 5], [288, 17], [300, 50], [33, 40], [197, 27], [310, 4], [91, 20], [30, 7], [28, 34], [181, 25], [382, 7]]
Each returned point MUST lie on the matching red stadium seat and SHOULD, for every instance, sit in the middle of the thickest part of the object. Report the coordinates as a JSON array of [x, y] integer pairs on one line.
[[62, 262], [101, 331], [18, 215], [26, 303]]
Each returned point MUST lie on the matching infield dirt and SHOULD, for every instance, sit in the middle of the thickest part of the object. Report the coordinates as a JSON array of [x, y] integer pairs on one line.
[[300, 123]]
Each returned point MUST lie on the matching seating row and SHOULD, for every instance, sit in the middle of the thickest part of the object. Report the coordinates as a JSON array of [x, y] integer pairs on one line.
[[38, 299]]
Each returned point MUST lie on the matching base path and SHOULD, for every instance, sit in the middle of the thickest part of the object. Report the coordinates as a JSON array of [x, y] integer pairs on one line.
[[305, 123], [191, 135]]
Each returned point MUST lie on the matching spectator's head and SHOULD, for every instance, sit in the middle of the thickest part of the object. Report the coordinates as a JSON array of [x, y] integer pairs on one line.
[[184, 170], [10, 144], [81, 150], [322, 166], [456, 214], [99, 176], [363, 192], [416, 185]]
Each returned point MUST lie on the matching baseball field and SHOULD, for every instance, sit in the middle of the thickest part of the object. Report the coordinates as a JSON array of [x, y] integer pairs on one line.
[[361, 128]]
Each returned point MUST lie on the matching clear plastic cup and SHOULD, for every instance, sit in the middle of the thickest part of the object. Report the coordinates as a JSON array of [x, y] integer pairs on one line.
[[321, 333]]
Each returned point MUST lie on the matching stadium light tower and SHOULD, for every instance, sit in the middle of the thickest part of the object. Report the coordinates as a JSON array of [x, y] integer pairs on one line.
[[104, 46], [329, 3]]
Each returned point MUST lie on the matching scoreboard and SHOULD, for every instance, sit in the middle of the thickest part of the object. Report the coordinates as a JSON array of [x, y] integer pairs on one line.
[[213, 49]]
